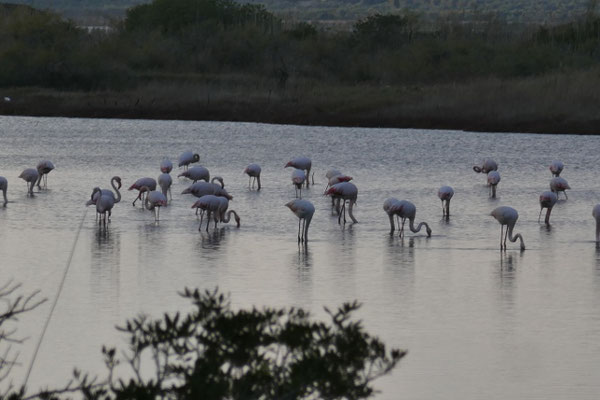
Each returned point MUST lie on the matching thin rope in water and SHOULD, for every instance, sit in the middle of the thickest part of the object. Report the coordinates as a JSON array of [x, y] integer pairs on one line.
[[60, 287]]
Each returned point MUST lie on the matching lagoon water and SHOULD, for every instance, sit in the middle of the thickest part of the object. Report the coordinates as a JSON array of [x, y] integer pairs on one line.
[[477, 322]]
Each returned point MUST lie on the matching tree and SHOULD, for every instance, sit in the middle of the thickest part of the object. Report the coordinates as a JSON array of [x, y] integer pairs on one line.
[[214, 352]]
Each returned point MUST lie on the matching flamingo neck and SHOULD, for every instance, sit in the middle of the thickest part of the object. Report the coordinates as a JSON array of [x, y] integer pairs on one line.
[[598, 230], [227, 217], [517, 236], [112, 183], [392, 226], [306, 224], [258, 181], [548, 211], [448, 207]]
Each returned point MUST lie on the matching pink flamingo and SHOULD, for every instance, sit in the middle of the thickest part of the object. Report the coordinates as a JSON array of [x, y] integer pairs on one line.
[[556, 168], [298, 178], [304, 210], [253, 171], [97, 192], [166, 166], [187, 157], [507, 216], [345, 191], [165, 181], [488, 165], [493, 178], [196, 174], [445, 193], [403, 209], [547, 200], [154, 200], [596, 215], [213, 206], [150, 183], [303, 163], [559, 184], [44, 168], [4, 188], [30, 176]]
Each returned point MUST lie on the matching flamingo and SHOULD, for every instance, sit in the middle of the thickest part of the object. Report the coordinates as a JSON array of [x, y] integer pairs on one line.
[[487, 166], [4, 187], [196, 174], [154, 200], [334, 180], [298, 178], [166, 166], [97, 192], [556, 167], [330, 174], [187, 157], [403, 209], [150, 183], [547, 200], [165, 181], [445, 193], [44, 167], [304, 210], [218, 179], [493, 178], [104, 205], [30, 175], [213, 205], [345, 191], [303, 163], [507, 216], [253, 171], [200, 189], [559, 184], [596, 214]]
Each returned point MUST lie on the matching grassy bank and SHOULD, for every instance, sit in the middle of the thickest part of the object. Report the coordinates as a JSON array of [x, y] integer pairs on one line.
[[554, 103]]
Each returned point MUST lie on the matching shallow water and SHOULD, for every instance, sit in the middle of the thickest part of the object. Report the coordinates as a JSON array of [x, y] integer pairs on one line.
[[477, 322]]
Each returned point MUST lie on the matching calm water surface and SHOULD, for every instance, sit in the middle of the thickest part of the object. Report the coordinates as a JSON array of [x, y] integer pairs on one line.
[[478, 323]]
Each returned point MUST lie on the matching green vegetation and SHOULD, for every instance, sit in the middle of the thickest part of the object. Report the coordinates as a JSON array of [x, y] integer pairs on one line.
[[218, 59], [214, 352]]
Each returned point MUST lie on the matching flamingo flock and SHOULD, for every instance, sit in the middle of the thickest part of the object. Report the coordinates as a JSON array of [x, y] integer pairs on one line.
[[213, 199]]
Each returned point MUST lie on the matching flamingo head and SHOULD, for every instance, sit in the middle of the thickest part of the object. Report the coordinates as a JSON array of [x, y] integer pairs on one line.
[[118, 179], [134, 186], [428, 232], [237, 220], [196, 157]]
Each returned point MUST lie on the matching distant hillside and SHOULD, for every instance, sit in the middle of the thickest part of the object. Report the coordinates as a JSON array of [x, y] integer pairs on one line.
[[537, 11]]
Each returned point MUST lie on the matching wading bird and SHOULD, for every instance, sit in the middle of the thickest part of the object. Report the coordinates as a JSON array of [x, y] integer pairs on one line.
[[304, 210], [166, 166], [104, 205], [150, 183], [547, 200], [44, 168], [556, 168], [187, 157], [213, 206], [253, 171], [345, 191], [197, 173], [487, 166], [507, 216], [30, 176], [303, 163], [445, 194], [493, 178], [154, 200], [298, 178], [4, 188], [559, 184], [165, 181], [97, 192], [403, 210]]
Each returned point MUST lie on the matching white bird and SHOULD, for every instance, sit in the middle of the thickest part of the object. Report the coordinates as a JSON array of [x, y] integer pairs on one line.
[[596, 214], [298, 178], [445, 193], [403, 210], [150, 183], [487, 166], [304, 210], [187, 157], [166, 166], [44, 168], [559, 184], [154, 200], [547, 200], [196, 174], [507, 216], [303, 163], [165, 181], [4, 188], [493, 178], [253, 171], [556, 168], [345, 191], [30, 176]]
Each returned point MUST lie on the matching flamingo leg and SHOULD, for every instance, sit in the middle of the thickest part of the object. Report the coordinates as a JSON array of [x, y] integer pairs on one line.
[[565, 192], [208, 220], [402, 229], [505, 236], [443, 209], [540, 216], [501, 235], [299, 220]]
